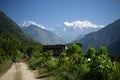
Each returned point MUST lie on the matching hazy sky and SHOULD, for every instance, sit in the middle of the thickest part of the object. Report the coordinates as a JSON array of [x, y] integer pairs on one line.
[[53, 12]]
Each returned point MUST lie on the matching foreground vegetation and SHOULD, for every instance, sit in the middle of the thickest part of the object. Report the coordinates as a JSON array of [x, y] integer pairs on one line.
[[12, 48], [74, 64], [14, 43]]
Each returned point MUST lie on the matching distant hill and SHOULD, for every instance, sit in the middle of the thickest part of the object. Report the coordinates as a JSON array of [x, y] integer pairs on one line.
[[40, 34], [8, 26], [115, 47], [104, 37]]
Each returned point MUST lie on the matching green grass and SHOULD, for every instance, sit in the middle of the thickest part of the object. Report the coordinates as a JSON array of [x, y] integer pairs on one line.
[[5, 66]]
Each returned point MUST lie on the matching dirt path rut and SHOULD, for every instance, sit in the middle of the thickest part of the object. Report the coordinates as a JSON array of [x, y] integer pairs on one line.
[[19, 71]]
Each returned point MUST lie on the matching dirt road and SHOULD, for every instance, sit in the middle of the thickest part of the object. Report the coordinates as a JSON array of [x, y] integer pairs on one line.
[[19, 71]]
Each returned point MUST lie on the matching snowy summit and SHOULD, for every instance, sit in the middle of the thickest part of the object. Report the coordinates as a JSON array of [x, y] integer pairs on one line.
[[28, 23], [82, 24]]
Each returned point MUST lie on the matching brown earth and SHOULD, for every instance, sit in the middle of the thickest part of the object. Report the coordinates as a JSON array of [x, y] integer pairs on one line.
[[19, 71]]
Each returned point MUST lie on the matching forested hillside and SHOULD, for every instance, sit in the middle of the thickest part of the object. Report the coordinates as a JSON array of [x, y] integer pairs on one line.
[[14, 43], [104, 37], [7, 26], [115, 47]]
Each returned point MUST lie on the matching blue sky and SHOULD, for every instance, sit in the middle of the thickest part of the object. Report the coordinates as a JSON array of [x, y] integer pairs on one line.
[[53, 12]]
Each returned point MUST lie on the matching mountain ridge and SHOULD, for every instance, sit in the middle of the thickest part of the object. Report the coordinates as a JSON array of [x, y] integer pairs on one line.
[[29, 22], [102, 37], [72, 29], [8, 26], [40, 34]]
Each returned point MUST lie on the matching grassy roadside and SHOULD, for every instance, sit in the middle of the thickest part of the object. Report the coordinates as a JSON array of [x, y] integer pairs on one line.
[[5, 66]]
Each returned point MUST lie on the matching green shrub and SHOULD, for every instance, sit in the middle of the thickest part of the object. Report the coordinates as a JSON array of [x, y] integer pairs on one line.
[[117, 71], [73, 64]]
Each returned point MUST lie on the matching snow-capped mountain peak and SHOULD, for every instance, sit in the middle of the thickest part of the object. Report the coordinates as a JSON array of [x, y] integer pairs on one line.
[[82, 24], [28, 23], [68, 31]]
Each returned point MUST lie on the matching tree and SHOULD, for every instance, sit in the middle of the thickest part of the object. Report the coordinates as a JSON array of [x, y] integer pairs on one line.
[[90, 52], [10, 45], [34, 49], [48, 55], [101, 67], [117, 71], [102, 51], [74, 48]]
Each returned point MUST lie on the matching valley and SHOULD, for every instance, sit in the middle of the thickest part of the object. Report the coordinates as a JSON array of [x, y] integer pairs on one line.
[[93, 55]]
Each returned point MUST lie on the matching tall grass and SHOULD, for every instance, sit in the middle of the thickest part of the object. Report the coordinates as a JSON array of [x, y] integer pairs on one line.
[[5, 66]]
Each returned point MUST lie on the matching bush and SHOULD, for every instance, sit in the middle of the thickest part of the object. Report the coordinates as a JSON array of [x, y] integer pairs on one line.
[[101, 67], [117, 71], [73, 64]]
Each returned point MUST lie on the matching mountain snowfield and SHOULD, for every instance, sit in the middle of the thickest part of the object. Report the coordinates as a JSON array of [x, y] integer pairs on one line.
[[82, 24], [68, 31], [40, 34], [28, 23]]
